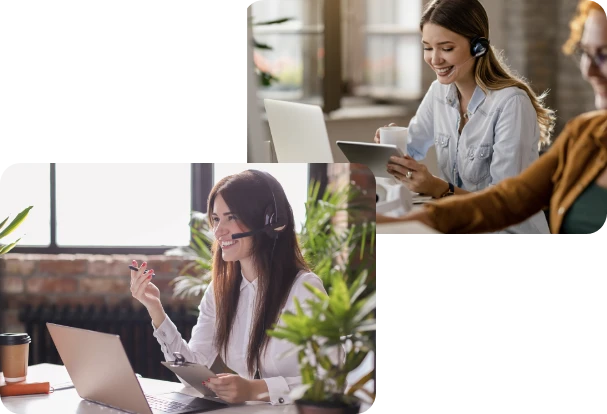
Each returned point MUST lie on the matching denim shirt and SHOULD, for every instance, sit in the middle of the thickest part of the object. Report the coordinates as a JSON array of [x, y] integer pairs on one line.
[[499, 140]]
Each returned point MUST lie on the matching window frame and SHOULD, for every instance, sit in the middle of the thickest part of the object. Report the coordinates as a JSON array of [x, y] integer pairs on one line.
[[343, 32], [201, 186]]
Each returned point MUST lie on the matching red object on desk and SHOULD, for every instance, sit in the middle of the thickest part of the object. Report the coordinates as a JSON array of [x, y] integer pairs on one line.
[[24, 388]]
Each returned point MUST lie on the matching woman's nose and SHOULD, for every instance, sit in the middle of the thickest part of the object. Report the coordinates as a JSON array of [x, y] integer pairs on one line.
[[220, 230], [436, 58]]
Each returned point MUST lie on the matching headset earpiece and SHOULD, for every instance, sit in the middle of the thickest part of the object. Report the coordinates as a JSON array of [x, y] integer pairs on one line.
[[479, 46]]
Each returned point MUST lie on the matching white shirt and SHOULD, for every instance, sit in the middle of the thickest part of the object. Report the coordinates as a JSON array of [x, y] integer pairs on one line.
[[280, 374]]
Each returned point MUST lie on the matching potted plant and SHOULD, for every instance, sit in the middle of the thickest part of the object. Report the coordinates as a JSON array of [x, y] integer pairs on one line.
[[10, 228], [332, 338]]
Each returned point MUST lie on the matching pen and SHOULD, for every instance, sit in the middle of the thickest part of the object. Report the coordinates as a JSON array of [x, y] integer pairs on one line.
[[137, 269]]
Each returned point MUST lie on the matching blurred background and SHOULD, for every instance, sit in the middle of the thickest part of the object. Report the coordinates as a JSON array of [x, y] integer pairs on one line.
[[362, 60], [89, 221]]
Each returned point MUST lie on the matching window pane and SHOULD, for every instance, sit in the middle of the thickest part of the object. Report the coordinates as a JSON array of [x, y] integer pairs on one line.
[[408, 13], [295, 58], [292, 177], [393, 54], [24, 185], [404, 13], [123, 204]]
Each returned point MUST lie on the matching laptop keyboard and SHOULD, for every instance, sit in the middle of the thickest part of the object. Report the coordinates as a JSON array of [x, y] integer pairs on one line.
[[164, 405]]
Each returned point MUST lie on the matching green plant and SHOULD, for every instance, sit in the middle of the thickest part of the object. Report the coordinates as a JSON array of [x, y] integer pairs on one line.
[[10, 228], [329, 247], [195, 277], [340, 323], [265, 77]]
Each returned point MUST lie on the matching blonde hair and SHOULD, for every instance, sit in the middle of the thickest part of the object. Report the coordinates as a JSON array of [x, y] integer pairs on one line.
[[469, 19], [577, 23]]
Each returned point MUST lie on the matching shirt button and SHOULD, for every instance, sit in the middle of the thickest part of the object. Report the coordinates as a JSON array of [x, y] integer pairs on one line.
[[281, 400], [561, 211]]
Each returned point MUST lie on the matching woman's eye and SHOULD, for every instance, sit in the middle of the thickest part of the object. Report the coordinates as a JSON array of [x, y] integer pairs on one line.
[[215, 219], [428, 48], [448, 50], [233, 218]]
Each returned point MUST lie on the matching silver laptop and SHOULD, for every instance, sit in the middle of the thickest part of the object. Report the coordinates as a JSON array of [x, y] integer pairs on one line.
[[299, 133], [101, 373]]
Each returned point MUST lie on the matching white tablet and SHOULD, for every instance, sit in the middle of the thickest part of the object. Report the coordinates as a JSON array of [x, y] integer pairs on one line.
[[374, 156]]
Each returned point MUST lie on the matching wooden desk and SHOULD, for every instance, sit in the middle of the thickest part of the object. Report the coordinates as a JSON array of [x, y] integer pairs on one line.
[[67, 401]]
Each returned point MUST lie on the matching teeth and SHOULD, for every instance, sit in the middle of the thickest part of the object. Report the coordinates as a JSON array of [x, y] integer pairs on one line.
[[444, 70], [227, 243]]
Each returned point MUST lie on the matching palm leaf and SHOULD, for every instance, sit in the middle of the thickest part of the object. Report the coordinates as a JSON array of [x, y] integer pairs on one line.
[[15, 223]]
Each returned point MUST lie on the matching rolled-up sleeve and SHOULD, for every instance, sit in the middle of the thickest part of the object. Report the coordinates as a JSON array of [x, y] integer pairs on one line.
[[200, 349]]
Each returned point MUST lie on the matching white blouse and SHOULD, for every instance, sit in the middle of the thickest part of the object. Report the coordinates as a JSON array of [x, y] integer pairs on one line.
[[280, 374]]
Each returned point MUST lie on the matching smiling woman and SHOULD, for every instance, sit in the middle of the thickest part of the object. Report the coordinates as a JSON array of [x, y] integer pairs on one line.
[[257, 272], [485, 123]]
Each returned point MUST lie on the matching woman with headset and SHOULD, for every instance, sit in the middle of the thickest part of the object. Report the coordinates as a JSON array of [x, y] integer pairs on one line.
[[486, 123], [258, 270], [570, 179]]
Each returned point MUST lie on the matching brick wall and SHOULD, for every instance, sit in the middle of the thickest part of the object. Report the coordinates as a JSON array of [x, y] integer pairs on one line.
[[78, 279], [535, 31]]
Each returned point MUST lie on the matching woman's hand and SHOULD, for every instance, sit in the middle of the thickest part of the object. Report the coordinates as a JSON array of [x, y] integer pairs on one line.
[[376, 137], [235, 389], [142, 289], [416, 176]]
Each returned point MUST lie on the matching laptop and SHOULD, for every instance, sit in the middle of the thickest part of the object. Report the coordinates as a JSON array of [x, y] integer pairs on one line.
[[299, 133], [101, 373]]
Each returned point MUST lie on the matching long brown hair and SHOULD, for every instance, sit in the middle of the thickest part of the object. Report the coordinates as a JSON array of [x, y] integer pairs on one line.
[[469, 19], [276, 261]]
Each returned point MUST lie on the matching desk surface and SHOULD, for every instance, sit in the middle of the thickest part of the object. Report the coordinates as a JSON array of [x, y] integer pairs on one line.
[[68, 401], [405, 227]]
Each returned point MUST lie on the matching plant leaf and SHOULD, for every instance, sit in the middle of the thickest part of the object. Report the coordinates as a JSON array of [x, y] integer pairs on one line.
[[360, 383], [16, 222], [8, 247], [3, 223]]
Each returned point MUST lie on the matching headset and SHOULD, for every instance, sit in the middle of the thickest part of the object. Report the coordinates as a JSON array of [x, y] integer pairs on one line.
[[276, 217], [479, 46]]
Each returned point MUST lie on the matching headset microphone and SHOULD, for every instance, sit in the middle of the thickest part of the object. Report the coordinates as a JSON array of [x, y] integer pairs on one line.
[[457, 66], [246, 234]]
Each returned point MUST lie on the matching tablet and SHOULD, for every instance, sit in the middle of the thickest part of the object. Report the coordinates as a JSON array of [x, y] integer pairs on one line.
[[194, 375], [374, 156]]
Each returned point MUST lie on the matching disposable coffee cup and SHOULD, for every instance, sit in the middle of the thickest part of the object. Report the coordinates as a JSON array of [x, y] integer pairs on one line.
[[394, 135], [14, 352]]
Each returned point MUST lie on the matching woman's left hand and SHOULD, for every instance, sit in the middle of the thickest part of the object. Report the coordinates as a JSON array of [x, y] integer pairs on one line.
[[231, 388], [415, 176]]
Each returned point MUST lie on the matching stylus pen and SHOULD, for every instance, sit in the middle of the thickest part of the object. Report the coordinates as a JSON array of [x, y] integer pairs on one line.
[[137, 269]]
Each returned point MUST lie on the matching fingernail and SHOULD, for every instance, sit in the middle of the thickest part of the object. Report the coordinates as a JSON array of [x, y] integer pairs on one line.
[[144, 264]]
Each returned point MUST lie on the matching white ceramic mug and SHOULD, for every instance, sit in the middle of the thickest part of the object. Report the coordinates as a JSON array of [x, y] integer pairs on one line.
[[394, 135]]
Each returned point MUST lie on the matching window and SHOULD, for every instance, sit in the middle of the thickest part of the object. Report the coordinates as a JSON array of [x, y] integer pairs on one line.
[[295, 45], [23, 185], [392, 41], [123, 204], [123, 208], [349, 47], [292, 177]]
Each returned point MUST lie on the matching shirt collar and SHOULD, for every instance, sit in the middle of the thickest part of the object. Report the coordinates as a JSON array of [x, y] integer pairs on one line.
[[244, 283], [478, 97]]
